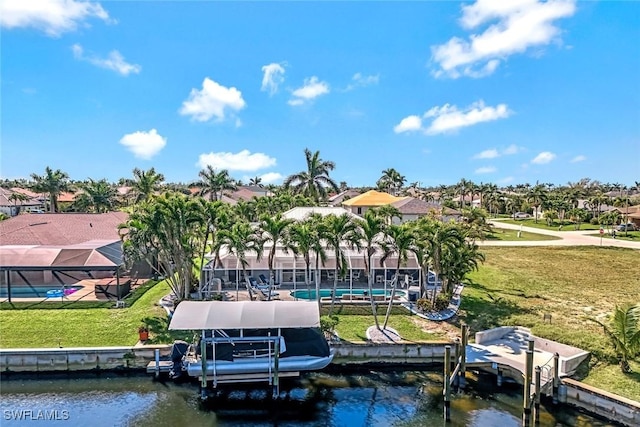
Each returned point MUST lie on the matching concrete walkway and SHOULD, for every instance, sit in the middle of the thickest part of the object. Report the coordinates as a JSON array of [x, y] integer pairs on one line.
[[566, 238]]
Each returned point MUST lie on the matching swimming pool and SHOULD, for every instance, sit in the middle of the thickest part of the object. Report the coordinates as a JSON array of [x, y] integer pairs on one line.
[[38, 291], [304, 294]]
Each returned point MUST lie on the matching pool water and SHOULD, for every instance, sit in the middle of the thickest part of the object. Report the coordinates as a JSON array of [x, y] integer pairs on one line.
[[324, 293], [37, 291]]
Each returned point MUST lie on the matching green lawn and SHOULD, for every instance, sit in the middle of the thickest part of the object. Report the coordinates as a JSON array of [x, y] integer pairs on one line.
[[542, 224], [82, 327], [506, 234], [516, 286]]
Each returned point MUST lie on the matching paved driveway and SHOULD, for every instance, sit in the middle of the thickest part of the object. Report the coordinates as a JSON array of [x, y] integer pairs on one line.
[[567, 238]]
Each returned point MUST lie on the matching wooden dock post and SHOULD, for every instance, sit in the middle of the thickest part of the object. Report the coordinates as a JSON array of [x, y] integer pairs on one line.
[[526, 405], [447, 386], [536, 402], [556, 377], [463, 356], [156, 354], [456, 377], [276, 366], [203, 360]]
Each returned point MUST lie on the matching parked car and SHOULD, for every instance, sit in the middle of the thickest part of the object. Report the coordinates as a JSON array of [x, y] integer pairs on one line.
[[521, 215], [626, 227]]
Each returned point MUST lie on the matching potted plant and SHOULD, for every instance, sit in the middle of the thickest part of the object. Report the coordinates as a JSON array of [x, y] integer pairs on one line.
[[143, 332]]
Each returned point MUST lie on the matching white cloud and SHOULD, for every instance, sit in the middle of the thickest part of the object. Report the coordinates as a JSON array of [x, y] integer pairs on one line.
[[579, 158], [115, 61], [515, 26], [214, 100], [487, 154], [273, 77], [449, 119], [493, 153], [311, 89], [408, 124], [543, 158], [359, 80], [54, 17], [241, 161], [143, 144], [485, 169], [505, 180], [271, 177]]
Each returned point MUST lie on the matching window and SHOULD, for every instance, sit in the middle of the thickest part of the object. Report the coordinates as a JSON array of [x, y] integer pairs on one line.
[[359, 211]]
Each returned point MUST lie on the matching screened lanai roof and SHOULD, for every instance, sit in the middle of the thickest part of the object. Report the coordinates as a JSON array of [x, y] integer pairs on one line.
[[283, 260], [94, 254]]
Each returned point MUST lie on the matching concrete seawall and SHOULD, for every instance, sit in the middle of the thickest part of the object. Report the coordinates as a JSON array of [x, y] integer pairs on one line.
[[602, 403]]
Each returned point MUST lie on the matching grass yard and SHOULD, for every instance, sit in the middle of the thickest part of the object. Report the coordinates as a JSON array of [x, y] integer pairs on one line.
[[632, 236], [542, 224], [506, 234], [82, 327], [516, 286]]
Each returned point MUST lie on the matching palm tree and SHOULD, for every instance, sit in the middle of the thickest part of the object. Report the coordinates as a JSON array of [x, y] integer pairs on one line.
[[398, 241], [388, 212], [537, 196], [370, 233], [145, 184], [391, 181], [303, 236], [256, 181], [457, 261], [316, 222], [16, 197], [338, 231], [313, 182], [215, 183], [165, 234], [99, 196], [623, 330], [52, 183], [275, 230], [215, 216], [240, 239]]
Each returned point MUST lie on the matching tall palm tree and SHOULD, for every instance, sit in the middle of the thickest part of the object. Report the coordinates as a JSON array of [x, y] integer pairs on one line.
[[316, 221], [391, 181], [313, 182], [398, 241], [16, 197], [370, 233], [256, 180], [338, 231], [215, 183], [623, 330], [239, 240], [215, 216], [537, 196], [145, 183], [97, 196], [166, 235], [275, 230], [51, 183]]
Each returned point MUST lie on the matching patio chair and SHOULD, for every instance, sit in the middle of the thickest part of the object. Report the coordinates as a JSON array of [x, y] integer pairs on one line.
[[330, 275], [265, 281]]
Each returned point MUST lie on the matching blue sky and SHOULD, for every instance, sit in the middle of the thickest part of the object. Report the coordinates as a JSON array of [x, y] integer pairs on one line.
[[491, 91]]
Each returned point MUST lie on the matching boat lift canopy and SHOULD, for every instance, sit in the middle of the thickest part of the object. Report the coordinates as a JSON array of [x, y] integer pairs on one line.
[[208, 315]]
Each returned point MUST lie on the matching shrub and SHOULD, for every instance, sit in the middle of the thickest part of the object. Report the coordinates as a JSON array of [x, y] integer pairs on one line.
[[442, 302], [329, 323], [594, 221], [423, 304]]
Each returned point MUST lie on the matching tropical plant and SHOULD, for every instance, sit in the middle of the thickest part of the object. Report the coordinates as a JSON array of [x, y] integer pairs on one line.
[[165, 233], [97, 196], [256, 180], [369, 232], [537, 196], [215, 183], [275, 231], [303, 236], [623, 330], [315, 181], [51, 183], [391, 181], [338, 232], [239, 240], [145, 184], [398, 241]]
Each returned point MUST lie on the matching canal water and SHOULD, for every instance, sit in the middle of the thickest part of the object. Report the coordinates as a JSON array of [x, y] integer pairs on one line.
[[370, 398]]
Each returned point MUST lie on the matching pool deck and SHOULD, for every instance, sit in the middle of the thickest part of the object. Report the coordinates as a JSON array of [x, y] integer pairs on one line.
[[86, 293]]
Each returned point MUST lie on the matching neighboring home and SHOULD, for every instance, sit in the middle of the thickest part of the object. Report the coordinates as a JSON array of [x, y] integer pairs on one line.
[[410, 208], [243, 193], [337, 199], [468, 200], [632, 213], [257, 190], [50, 249], [301, 213], [13, 207]]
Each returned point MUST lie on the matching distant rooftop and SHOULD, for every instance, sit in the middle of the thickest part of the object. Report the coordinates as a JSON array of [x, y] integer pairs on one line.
[[300, 213], [372, 198]]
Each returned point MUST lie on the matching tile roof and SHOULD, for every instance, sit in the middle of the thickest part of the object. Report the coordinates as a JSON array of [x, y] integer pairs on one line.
[[6, 194], [372, 198], [300, 213], [60, 228]]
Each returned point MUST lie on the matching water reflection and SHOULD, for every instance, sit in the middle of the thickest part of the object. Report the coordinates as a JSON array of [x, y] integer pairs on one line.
[[370, 398]]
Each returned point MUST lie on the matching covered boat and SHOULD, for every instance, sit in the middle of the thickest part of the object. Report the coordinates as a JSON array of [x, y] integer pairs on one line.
[[250, 340]]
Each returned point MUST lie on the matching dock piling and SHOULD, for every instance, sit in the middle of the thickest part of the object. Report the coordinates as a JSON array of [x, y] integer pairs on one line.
[[463, 356], [447, 386], [556, 377], [156, 354], [526, 406], [536, 402]]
